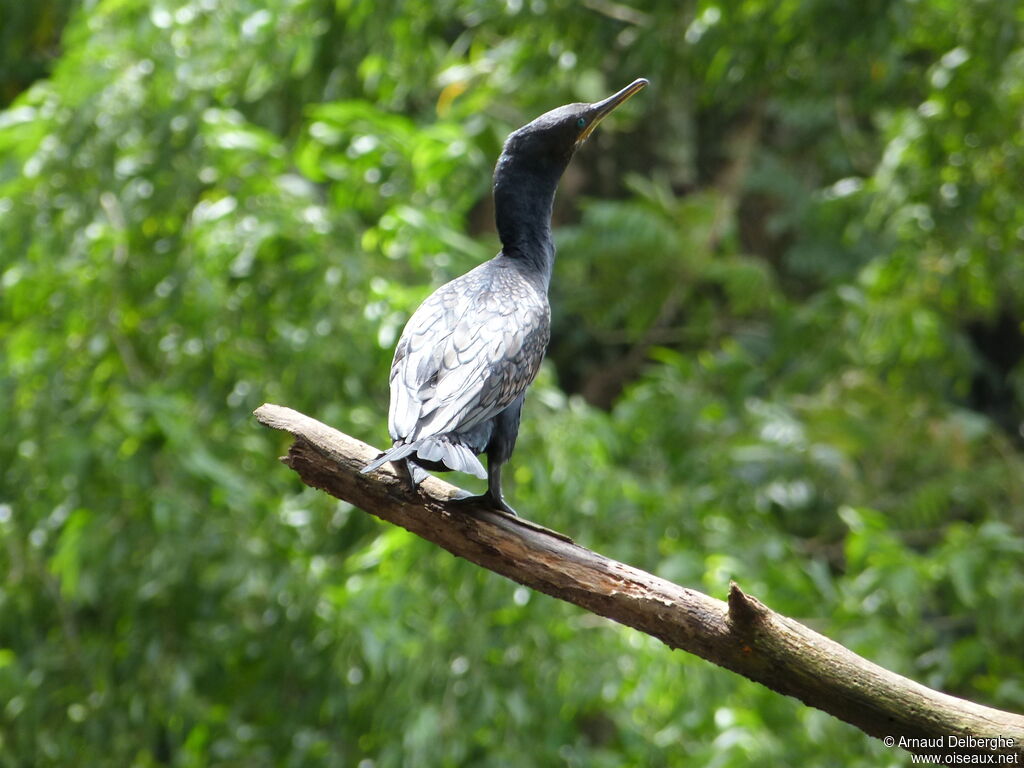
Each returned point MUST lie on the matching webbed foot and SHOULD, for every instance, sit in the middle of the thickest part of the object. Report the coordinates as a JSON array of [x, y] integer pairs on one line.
[[486, 500]]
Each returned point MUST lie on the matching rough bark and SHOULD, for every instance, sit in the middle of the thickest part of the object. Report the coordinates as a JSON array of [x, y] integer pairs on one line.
[[742, 635]]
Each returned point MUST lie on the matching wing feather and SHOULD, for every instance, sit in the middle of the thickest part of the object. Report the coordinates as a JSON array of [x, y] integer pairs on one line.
[[468, 352]]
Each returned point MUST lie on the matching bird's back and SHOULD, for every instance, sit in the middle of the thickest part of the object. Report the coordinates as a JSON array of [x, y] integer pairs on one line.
[[469, 351]]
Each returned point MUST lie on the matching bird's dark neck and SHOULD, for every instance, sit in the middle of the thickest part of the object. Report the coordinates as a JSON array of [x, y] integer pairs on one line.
[[523, 197]]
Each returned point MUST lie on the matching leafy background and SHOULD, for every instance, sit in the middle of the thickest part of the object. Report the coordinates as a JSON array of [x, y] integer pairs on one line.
[[787, 351]]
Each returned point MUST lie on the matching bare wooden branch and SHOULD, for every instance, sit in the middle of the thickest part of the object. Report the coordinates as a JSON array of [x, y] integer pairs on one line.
[[742, 635]]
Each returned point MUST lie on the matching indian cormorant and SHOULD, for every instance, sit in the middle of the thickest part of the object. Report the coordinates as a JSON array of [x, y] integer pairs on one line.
[[467, 355]]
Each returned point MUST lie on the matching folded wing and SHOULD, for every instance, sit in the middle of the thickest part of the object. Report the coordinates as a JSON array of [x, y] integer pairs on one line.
[[467, 353]]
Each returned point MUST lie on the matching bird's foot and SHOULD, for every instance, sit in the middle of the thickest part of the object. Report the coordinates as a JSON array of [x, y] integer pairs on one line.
[[405, 476], [484, 500]]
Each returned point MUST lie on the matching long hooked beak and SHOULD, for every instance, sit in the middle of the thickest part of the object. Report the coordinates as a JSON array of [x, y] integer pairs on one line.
[[601, 109]]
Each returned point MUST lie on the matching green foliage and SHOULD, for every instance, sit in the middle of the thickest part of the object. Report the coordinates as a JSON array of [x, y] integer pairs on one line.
[[798, 256]]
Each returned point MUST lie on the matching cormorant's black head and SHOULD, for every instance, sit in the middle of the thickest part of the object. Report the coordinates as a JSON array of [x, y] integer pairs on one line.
[[531, 163], [549, 142]]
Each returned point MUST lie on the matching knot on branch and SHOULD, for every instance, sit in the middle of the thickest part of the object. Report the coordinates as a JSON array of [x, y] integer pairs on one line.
[[745, 612]]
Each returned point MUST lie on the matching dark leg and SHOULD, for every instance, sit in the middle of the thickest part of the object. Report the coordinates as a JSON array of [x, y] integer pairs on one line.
[[405, 474], [499, 448], [494, 494]]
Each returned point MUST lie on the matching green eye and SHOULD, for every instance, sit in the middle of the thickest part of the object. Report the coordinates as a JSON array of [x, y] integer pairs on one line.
[[581, 122]]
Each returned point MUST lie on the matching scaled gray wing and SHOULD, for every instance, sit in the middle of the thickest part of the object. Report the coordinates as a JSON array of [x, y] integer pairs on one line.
[[467, 353]]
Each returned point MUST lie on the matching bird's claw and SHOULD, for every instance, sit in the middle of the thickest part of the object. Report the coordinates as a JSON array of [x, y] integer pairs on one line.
[[486, 500]]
